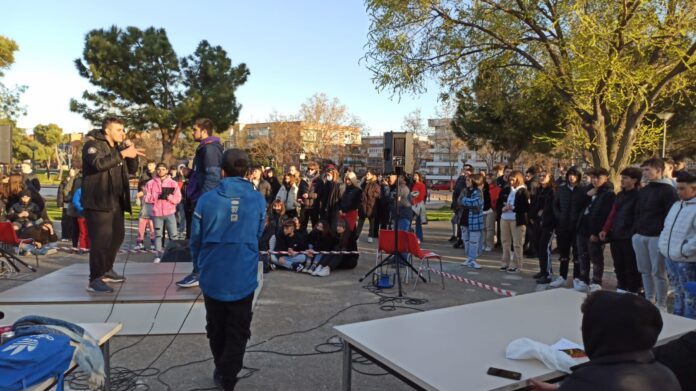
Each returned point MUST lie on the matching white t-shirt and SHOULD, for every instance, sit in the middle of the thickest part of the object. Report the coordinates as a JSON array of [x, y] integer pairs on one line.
[[510, 214]]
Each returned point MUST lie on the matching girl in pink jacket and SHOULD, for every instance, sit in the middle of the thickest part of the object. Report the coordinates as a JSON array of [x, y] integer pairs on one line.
[[163, 193]]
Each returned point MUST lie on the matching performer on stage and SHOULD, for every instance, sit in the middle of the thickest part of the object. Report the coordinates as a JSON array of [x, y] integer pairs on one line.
[[227, 225], [107, 160]]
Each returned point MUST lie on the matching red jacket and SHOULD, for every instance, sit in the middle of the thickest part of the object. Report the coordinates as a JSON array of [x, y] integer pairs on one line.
[[494, 192], [420, 188]]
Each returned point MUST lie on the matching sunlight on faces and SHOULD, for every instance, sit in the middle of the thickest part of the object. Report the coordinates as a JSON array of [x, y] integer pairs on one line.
[[115, 133], [686, 191], [651, 173], [598, 180]]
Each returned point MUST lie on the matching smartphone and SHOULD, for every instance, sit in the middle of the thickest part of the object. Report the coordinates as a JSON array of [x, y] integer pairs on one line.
[[504, 373]]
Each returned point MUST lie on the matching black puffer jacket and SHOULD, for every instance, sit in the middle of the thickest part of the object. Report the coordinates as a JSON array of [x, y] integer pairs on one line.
[[101, 166], [625, 205], [598, 211], [544, 203], [654, 202], [350, 199]]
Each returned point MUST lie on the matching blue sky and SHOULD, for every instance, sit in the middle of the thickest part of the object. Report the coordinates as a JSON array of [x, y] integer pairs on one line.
[[292, 48]]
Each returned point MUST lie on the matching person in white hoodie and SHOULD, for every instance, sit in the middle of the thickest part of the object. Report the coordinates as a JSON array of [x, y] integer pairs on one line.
[[678, 245]]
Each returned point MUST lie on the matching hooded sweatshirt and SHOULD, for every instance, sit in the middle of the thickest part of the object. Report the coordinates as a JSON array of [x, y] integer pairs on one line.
[[619, 331], [678, 237], [225, 231], [206, 172], [153, 189], [654, 202]]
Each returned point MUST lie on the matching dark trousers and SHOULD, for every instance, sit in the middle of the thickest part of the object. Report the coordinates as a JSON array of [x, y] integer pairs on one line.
[[75, 232], [627, 276], [374, 227], [544, 250], [590, 254], [565, 240], [66, 225], [228, 328], [106, 231], [307, 215], [532, 238], [189, 207]]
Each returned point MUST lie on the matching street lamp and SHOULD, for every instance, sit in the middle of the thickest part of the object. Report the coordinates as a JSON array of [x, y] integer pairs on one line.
[[664, 116]]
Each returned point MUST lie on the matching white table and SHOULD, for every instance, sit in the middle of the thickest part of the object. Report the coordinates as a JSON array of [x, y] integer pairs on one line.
[[102, 332], [452, 348]]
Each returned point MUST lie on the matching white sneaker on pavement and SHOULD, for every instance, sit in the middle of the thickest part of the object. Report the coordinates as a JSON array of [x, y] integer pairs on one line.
[[474, 265], [156, 260], [558, 281], [369, 239], [595, 287], [325, 271], [579, 285], [317, 270]]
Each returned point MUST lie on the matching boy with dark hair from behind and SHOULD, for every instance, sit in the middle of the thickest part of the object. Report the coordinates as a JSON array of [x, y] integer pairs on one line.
[[654, 202], [618, 230]]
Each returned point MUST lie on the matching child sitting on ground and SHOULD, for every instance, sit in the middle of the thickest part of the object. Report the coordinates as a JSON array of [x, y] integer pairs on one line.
[[24, 214], [293, 244], [320, 239]]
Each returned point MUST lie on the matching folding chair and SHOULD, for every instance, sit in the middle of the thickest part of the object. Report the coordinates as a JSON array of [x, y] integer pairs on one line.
[[8, 242], [385, 246], [423, 255]]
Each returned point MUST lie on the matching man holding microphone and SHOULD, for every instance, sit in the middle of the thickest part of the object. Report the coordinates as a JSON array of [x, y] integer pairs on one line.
[[107, 160]]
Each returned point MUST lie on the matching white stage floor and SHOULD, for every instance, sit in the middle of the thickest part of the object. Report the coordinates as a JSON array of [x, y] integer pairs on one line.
[[148, 302]]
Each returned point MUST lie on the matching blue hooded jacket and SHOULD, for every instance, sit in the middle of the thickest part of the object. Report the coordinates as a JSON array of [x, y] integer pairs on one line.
[[225, 231]]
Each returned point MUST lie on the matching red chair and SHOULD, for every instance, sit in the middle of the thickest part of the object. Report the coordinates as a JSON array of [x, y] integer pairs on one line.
[[424, 256], [8, 242], [385, 246]]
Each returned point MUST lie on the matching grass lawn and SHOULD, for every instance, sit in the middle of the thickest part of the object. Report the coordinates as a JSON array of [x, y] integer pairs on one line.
[[442, 214]]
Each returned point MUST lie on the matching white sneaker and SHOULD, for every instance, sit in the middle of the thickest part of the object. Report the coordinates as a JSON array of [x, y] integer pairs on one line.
[[474, 265], [618, 290], [369, 239], [595, 287], [325, 271], [487, 248], [156, 260], [558, 281], [579, 285], [317, 270]]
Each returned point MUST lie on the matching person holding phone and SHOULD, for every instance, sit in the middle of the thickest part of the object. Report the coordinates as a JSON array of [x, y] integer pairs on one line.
[[162, 192]]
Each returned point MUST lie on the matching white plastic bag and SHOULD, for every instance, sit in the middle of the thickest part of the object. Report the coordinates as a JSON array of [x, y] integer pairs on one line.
[[525, 348]]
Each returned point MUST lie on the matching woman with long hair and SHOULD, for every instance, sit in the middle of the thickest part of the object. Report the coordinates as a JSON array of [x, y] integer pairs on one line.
[[288, 194], [513, 222], [350, 200], [419, 202], [542, 210], [472, 201]]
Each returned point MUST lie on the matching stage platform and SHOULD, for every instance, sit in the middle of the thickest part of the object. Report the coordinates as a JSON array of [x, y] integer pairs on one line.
[[149, 302]]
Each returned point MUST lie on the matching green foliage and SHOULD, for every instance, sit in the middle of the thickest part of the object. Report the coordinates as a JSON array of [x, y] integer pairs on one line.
[[508, 109], [7, 49], [9, 97], [48, 138], [613, 62], [140, 77]]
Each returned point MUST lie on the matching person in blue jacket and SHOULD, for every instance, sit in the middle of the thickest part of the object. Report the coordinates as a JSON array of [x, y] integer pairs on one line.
[[225, 231]]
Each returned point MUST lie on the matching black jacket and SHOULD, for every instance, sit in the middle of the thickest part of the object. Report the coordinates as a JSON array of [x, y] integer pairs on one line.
[[521, 206], [351, 199], [102, 164], [296, 242], [625, 214], [621, 372], [568, 205], [543, 203], [459, 185], [597, 211], [654, 202]]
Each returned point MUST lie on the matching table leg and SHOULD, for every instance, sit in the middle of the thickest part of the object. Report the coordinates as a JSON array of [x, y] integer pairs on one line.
[[107, 365], [347, 366]]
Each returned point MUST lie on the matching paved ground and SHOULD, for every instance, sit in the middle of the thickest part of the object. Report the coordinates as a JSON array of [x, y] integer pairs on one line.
[[303, 309]]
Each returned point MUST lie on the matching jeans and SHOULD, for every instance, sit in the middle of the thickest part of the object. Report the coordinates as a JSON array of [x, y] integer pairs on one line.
[[472, 243], [565, 241], [288, 261], [168, 222], [681, 273], [419, 228], [590, 254], [180, 217], [228, 327], [651, 265]]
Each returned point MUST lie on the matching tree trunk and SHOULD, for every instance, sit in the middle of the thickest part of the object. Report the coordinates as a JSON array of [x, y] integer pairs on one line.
[[167, 153]]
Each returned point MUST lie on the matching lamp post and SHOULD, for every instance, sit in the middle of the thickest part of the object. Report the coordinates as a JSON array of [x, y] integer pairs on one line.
[[664, 116]]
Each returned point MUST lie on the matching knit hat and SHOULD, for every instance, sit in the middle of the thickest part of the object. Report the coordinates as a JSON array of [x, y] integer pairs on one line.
[[615, 323]]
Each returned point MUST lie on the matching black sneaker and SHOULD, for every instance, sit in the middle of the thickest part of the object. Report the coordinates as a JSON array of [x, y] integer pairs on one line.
[[543, 280], [458, 244], [217, 378], [538, 275], [99, 286], [112, 276], [503, 268], [452, 238]]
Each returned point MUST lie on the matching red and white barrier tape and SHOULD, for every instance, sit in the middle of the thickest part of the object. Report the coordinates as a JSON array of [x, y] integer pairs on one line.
[[133, 251], [500, 291]]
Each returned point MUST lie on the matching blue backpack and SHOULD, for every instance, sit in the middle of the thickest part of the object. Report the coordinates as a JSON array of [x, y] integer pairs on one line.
[[29, 360]]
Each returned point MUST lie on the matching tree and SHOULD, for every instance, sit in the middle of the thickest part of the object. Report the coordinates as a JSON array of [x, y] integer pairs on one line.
[[414, 123], [10, 107], [48, 137], [613, 62], [327, 120], [507, 109], [140, 77]]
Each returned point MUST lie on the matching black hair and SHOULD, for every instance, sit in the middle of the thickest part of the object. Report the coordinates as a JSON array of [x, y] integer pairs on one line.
[[235, 162], [633, 173], [686, 177]]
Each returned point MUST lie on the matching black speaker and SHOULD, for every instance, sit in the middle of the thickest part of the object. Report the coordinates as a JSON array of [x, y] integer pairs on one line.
[[5, 144]]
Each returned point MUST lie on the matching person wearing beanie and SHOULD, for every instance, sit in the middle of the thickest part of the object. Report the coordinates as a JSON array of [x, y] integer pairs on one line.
[[654, 202], [619, 332], [24, 213], [678, 245], [569, 202], [618, 230], [350, 200]]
